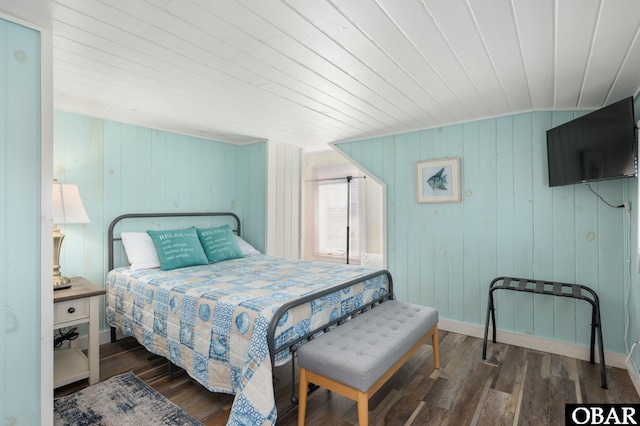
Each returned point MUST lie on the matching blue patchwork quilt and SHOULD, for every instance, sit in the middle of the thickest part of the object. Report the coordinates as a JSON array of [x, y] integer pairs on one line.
[[212, 320]]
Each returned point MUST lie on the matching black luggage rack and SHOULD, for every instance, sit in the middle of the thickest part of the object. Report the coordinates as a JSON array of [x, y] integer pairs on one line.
[[574, 291]]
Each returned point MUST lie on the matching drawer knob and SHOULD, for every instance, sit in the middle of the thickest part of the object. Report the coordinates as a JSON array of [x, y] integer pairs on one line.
[[71, 310]]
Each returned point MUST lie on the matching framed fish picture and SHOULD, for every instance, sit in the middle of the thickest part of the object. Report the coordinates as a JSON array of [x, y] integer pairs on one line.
[[439, 180]]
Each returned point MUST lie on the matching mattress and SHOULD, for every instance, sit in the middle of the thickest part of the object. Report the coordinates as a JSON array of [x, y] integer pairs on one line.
[[212, 320]]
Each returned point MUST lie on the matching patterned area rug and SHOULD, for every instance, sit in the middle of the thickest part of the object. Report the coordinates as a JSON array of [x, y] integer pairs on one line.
[[121, 400]]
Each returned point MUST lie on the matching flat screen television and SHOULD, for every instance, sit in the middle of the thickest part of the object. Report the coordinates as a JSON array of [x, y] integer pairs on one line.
[[598, 146]]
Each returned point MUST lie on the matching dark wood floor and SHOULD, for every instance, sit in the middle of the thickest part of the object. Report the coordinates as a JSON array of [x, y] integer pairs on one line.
[[513, 386]]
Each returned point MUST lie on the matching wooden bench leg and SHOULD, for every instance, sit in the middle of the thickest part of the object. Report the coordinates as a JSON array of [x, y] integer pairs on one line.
[[363, 408], [302, 401], [436, 348]]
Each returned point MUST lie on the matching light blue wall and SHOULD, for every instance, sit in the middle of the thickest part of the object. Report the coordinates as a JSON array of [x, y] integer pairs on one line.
[[20, 224], [122, 168], [509, 223], [251, 187]]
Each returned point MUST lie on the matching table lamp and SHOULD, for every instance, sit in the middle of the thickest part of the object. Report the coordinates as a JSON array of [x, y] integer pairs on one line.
[[67, 209]]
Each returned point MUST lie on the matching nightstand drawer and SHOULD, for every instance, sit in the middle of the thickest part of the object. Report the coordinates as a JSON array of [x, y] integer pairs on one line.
[[70, 310]]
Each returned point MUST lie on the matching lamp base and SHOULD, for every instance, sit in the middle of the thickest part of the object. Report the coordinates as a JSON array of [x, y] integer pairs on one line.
[[60, 282]]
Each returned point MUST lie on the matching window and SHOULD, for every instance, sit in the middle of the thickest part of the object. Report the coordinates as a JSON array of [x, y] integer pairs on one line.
[[338, 199]]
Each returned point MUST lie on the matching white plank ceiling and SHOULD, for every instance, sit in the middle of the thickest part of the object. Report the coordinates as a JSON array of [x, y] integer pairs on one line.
[[311, 72]]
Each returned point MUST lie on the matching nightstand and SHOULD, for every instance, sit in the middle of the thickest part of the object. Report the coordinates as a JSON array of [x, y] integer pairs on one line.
[[72, 306]]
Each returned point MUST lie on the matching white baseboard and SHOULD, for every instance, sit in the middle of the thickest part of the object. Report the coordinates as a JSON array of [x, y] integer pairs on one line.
[[532, 342], [105, 336], [82, 342], [633, 373]]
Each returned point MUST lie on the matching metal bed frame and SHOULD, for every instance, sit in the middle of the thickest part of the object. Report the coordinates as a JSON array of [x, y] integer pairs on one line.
[[291, 346]]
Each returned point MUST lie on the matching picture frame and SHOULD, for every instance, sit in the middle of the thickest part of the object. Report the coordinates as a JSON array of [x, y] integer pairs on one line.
[[438, 181]]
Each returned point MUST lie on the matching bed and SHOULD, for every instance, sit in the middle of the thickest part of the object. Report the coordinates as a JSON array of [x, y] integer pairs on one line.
[[227, 324]]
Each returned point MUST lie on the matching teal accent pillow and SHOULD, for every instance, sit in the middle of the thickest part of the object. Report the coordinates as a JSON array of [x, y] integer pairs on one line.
[[220, 244], [178, 248]]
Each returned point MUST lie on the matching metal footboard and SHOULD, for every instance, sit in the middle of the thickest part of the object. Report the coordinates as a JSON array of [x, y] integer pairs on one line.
[[293, 345]]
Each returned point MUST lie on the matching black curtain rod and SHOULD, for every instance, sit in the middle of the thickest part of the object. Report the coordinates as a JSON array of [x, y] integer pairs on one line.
[[348, 178]]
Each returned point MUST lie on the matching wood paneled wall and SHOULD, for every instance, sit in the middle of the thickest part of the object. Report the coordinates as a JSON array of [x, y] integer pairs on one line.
[[121, 168], [509, 223], [284, 200], [25, 226], [251, 174]]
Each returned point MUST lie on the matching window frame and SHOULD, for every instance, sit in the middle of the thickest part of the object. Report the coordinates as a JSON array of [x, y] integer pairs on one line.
[[323, 174]]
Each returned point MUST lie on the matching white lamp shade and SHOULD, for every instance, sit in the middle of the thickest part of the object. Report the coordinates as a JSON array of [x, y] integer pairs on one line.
[[67, 205]]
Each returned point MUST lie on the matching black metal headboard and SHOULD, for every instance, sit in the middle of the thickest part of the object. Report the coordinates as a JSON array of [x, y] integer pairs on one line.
[[112, 238]]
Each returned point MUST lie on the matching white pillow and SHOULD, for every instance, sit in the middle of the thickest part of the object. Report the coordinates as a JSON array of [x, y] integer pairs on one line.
[[141, 251], [371, 259], [247, 249]]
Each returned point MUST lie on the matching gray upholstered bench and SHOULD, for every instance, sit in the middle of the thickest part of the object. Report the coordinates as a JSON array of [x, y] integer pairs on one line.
[[358, 357]]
